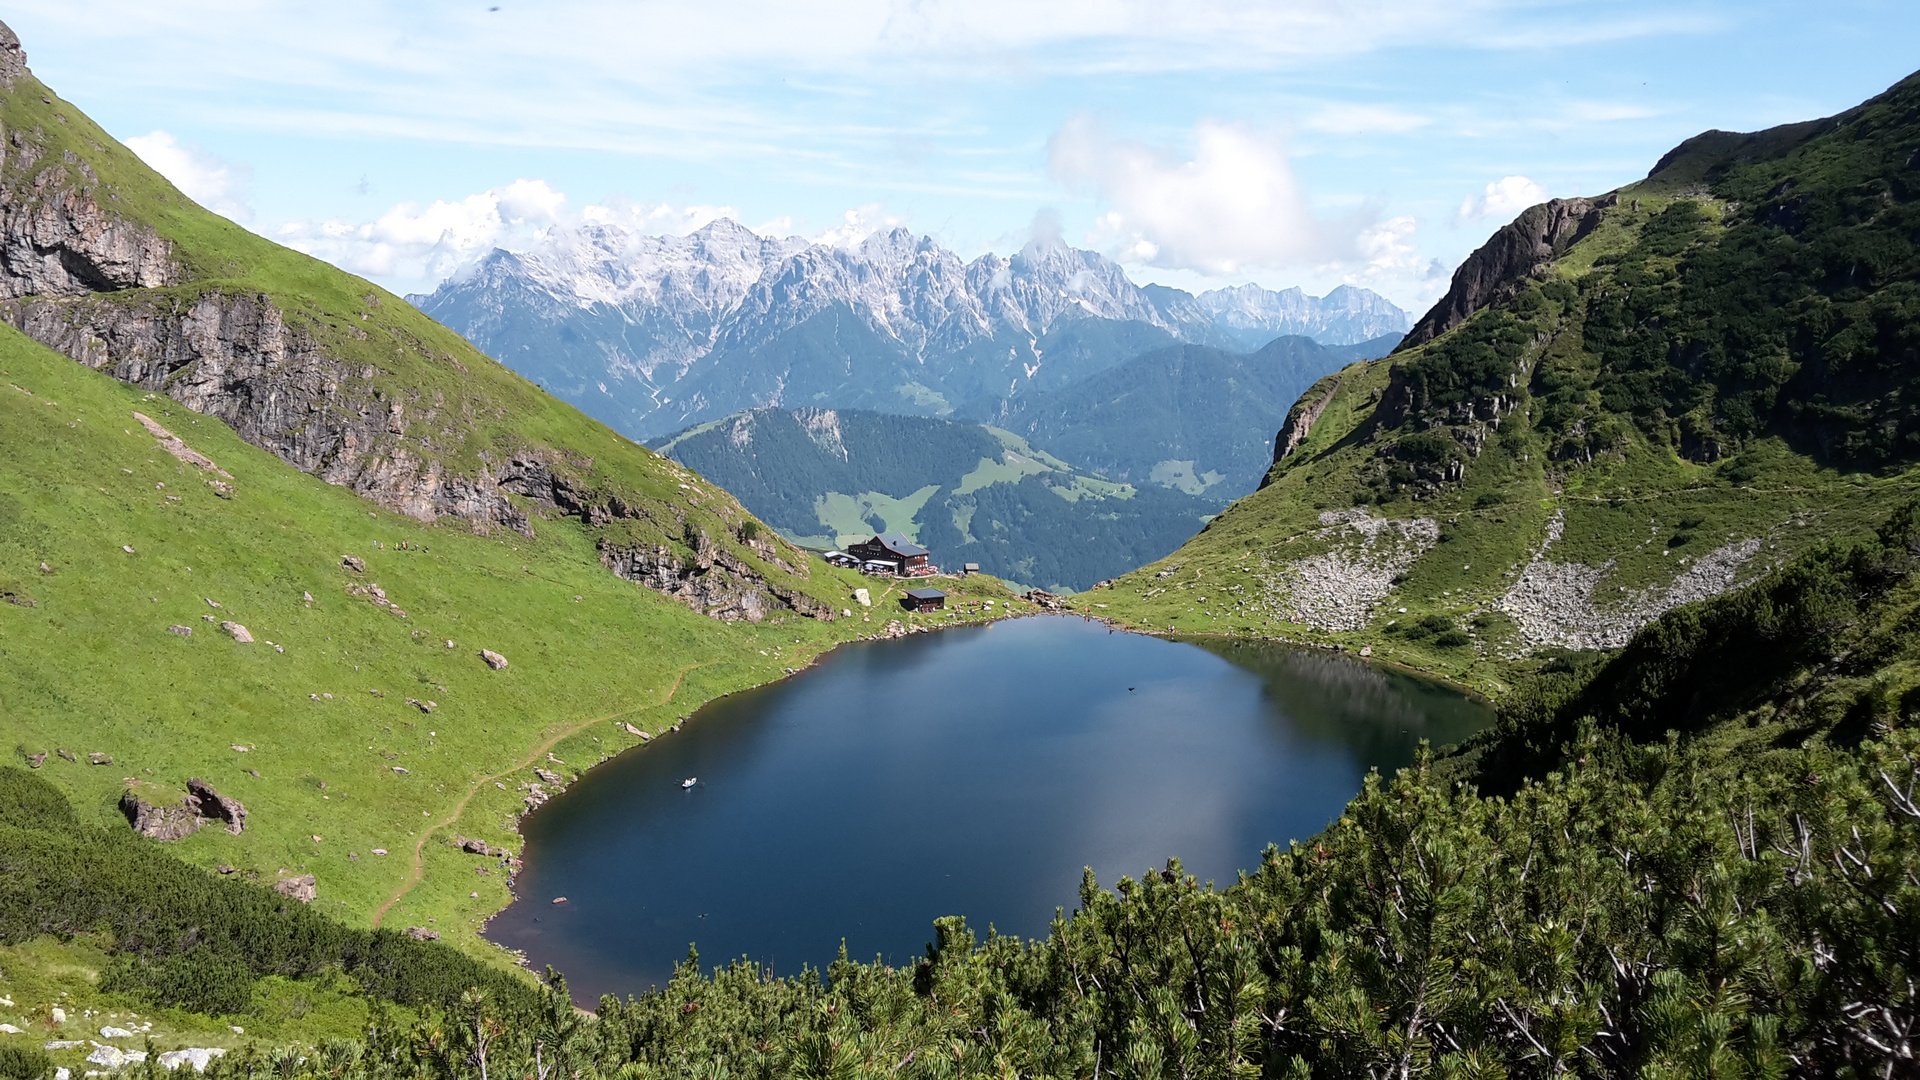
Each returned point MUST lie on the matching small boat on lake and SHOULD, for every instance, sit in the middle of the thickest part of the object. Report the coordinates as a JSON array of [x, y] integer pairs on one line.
[[689, 781]]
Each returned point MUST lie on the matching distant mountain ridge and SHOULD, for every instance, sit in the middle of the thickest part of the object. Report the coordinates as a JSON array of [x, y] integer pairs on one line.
[[1191, 417], [653, 333], [1254, 316]]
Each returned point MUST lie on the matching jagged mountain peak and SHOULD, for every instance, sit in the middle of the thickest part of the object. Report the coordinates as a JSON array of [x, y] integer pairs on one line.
[[1347, 315], [616, 315]]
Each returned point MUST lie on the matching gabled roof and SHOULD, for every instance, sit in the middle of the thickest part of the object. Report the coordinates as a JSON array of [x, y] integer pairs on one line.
[[899, 544], [926, 594]]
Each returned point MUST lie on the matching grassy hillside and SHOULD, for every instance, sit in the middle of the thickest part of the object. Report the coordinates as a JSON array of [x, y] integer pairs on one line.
[[319, 700], [1704, 373], [969, 492], [339, 378]]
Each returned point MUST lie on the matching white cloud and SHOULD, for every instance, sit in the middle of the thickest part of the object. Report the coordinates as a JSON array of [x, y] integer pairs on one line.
[[219, 185], [1502, 199], [414, 242], [653, 218], [856, 225], [1234, 203], [416, 247], [1392, 265]]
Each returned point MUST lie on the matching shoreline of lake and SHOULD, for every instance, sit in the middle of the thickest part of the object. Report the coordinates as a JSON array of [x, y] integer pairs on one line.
[[1253, 667]]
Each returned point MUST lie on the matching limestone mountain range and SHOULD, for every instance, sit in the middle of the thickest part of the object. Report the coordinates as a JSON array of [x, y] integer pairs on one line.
[[656, 333]]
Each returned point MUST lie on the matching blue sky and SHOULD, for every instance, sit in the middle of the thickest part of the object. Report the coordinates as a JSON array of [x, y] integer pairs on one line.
[[1204, 142]]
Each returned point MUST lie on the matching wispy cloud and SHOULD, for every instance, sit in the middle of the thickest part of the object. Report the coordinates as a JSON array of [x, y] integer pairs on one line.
[[664, 76], [1343, 119]]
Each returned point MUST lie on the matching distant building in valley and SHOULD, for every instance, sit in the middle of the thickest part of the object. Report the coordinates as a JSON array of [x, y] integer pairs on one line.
[[907, 558]]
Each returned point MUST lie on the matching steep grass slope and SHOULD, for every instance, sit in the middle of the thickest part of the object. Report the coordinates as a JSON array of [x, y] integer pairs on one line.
[[1623, 404], [310, 723], [102, 259]]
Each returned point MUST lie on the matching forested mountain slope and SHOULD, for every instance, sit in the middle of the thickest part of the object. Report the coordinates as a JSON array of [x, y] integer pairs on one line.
[[968, 492], [1623, 403], [1189, 416]]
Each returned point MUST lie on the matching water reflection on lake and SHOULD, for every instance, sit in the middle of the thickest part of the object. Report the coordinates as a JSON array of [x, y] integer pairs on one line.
[[974, 771]]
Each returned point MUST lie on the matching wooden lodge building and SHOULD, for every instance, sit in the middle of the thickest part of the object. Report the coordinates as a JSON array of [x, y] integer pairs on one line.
[[907, 558]]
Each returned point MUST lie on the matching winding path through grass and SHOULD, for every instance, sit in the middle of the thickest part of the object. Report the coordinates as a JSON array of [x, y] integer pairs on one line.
[[534, 755]]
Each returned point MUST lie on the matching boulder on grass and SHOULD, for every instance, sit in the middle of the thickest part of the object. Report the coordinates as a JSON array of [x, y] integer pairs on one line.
[[494, 660], [152, 815], [302, 888]]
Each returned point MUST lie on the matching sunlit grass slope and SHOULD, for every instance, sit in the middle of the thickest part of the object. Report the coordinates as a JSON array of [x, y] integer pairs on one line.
[[88, 663]]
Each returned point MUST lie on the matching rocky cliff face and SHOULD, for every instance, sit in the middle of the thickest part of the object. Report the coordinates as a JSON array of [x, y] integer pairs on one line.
[[234, 357], [56, 240], [714, 580], [1499, 268], [83, 272]]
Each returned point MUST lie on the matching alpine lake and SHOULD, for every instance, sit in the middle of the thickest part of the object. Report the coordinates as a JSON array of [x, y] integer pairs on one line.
[[974, 771]]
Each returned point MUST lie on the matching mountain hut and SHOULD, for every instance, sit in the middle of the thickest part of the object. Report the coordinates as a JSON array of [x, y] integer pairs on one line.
[[924, 600], [907, 558]]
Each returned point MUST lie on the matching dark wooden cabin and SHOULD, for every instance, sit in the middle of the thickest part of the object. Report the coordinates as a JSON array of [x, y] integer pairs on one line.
[[907, 557], [924, 600]]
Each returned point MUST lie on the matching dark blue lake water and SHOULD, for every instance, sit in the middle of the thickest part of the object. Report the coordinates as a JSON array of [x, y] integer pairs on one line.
[[974, 772]]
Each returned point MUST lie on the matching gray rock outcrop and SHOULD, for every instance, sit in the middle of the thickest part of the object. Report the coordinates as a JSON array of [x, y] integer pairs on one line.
[[1301, 418], [55, 238], [210, 805], [159, 821], [713, 580], [302, 888], [164, 819], [13, 59], [1500, 268], [58, 241]]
